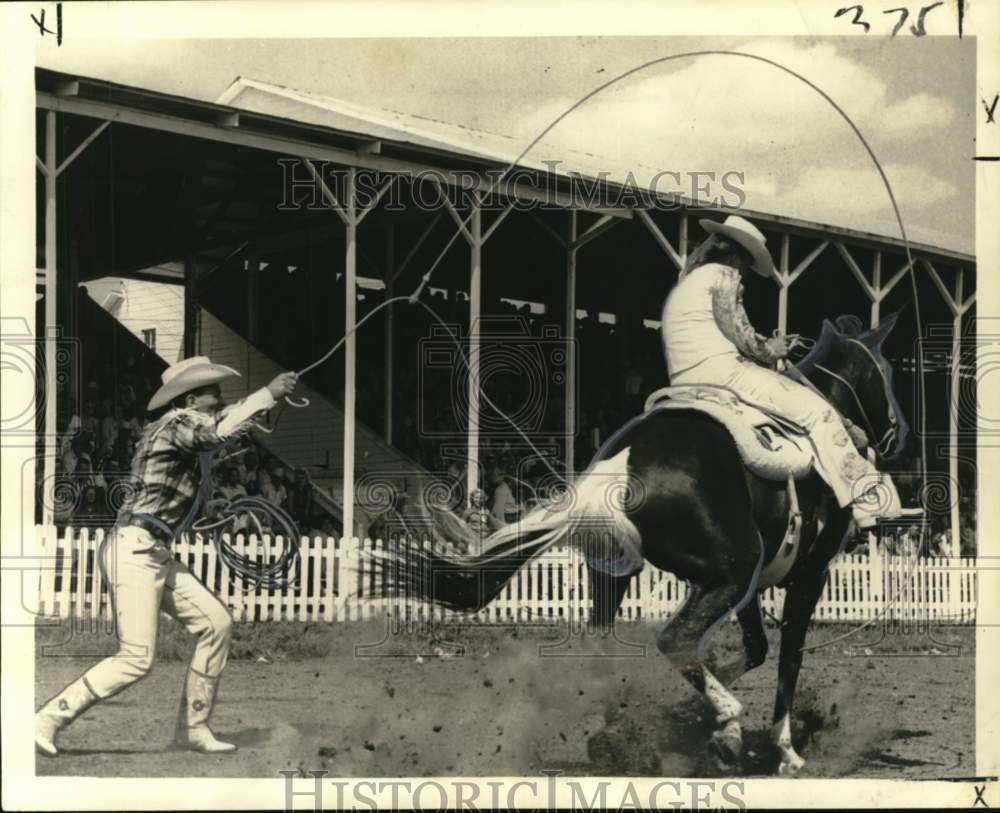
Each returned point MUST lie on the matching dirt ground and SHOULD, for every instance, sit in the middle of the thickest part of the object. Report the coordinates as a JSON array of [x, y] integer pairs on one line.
[[515, 702]]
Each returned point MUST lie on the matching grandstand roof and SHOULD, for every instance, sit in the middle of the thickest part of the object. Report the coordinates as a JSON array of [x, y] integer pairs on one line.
[[254, 113]]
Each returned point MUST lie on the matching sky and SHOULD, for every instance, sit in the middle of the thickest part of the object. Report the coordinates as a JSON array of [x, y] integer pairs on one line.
[[914, 100]]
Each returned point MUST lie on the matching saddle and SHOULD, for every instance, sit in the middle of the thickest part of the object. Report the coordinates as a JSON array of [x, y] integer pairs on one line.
[[771, 446]]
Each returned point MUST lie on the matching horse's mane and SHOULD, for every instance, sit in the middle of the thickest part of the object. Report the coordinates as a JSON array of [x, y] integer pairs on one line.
[[837, 333]]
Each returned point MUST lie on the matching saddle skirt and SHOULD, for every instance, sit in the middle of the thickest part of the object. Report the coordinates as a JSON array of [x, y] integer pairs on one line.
[[771, 446]]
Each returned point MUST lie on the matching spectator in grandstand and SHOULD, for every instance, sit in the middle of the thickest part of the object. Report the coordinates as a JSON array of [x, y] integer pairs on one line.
[[251, 471], [231, 487], [505, 507], [300, 498], [271, 490], [327, 528], [480, 521], [968, 541], [89, 423], [92, 511], [109, 425]]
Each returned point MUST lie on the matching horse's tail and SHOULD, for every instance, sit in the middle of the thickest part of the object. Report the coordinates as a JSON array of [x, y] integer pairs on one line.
[[590, 514]]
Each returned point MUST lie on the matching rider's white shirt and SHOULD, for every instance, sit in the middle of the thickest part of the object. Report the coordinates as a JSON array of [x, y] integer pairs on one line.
[[688, 327]]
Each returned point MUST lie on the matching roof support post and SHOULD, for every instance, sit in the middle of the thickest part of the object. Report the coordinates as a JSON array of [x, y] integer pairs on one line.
[[389, 275], [349, 212], [784, 283], [51, 384], [682, 242], [475, 238], [953, 399], [877, 287], [570, 398], [958, 308]]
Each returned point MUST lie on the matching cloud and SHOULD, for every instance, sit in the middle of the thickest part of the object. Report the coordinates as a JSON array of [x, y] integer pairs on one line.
[[860, 189], [722, 110], [917, 114]]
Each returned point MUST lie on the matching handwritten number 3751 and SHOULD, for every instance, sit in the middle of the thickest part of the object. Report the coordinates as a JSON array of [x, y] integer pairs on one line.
[[904, 13]]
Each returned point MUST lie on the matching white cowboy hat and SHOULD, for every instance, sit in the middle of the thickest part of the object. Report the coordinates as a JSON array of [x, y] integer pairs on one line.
[[188, 375], [747, 235]]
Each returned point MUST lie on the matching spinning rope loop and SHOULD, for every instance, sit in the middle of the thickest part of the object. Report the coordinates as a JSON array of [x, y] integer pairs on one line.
[[413, 299]]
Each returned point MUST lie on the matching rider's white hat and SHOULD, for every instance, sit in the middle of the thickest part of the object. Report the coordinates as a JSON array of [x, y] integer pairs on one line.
[[747, 235], [188, 375]]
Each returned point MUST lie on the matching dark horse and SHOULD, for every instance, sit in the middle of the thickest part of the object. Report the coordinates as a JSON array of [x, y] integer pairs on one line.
[[702, 516]]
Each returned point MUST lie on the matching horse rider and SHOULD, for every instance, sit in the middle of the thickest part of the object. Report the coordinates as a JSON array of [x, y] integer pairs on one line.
[[142, 574], [708, 339]]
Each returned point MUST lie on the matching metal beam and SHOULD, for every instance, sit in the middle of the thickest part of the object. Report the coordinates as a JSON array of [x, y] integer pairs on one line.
[[664, 243], [331, 199], [500, 218], [801, 268], [83, 145], [602, 225], [551, 232], [455, 215], [41, 165], [363, 213], [883, 292], [682, 241], [942, 289], [853, 266]]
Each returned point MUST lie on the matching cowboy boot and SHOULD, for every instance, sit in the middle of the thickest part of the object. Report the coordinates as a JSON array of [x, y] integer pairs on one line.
[[881, 502], [197, 701], [59, 712]]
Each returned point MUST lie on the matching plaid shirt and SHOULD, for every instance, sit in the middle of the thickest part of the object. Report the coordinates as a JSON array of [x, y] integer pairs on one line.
[[167, 470]]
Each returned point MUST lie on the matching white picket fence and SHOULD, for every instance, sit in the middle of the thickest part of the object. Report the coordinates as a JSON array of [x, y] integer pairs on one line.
[[336, 581]]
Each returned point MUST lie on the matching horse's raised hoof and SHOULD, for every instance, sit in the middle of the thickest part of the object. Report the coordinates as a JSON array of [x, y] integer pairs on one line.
[[726, 746], [791, 764]]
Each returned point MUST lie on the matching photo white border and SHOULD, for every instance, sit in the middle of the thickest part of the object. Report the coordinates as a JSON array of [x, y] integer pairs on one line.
[[290, 19]]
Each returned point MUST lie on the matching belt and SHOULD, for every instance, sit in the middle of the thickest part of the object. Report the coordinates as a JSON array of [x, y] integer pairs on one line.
[[156, 529]]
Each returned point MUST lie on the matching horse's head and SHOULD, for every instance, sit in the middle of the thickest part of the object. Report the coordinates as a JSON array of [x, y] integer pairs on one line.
[[847, 366]]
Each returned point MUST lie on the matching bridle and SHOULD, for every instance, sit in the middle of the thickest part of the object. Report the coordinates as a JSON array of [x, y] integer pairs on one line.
[[883, 445]]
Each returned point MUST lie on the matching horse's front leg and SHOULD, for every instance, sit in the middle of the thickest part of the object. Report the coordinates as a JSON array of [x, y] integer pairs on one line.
[[682, 642], [800, 602]]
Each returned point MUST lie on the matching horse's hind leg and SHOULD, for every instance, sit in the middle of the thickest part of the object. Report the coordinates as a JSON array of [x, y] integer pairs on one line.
[[608, 591], [754, 645], [681, 642]]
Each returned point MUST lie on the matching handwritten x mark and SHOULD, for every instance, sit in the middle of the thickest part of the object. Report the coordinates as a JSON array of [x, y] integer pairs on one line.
[[991, 109], [980, 790]]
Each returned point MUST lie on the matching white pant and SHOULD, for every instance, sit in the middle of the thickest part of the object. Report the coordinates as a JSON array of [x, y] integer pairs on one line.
[[144, 578], [836, 459]]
